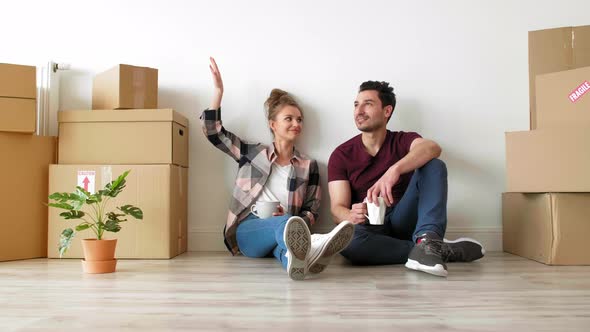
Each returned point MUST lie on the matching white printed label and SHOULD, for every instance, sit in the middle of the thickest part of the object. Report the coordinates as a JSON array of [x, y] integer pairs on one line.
[[87, 180]]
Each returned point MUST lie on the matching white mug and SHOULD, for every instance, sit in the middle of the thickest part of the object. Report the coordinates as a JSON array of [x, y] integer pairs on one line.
[[376, 212], [264, 210]]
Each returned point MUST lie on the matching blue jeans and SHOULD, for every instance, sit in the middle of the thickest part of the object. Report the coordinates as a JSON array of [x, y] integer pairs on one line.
[[422, 209], [263, 237]]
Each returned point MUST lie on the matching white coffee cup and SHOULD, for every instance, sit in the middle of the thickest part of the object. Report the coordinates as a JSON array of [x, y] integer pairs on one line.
[[264, 210], [376, 212]]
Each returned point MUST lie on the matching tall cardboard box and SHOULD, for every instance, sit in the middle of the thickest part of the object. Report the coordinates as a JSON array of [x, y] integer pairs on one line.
[[126, 87], [563, 99], [554, 50], [24, 175], [159, 190], [18, 92], [123, 137], [548, 160], [551, 228]]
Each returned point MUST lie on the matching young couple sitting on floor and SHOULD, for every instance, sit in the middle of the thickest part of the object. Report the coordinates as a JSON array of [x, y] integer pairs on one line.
[[395, 170]]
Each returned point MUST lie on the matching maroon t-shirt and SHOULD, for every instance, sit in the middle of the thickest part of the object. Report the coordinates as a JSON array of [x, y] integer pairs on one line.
[[350, 161]]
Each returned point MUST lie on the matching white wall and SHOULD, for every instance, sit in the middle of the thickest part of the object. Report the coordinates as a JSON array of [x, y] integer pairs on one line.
[[459, 69]]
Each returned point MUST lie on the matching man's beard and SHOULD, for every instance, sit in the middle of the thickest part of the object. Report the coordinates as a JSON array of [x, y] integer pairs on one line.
[[369, 128]]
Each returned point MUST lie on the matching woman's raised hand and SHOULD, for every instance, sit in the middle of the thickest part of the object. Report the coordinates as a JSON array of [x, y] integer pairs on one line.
[[218, 83]]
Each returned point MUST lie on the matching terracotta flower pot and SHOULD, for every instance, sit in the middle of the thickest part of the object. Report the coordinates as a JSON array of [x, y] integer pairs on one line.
[[99, 266], [99, 250], [99, 256]]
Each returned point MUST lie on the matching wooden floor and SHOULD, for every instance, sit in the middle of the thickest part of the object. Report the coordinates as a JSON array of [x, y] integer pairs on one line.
[[214, 291]]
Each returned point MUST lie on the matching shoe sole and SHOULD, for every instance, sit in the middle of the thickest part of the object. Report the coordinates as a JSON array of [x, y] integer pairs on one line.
[[437, 270], [298, 241], [468, 239], [341, 239]]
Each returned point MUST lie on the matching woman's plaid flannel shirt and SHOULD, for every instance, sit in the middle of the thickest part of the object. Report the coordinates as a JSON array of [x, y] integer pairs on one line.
[[254, 165]]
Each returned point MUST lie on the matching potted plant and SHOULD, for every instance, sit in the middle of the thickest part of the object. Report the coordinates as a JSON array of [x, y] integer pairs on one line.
[[99, 253]]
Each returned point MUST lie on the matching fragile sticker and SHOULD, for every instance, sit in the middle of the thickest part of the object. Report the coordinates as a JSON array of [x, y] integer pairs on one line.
[[579, 92], [87, 180]]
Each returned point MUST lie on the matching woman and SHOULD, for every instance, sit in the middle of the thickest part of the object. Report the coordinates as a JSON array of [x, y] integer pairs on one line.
[[277, 172]]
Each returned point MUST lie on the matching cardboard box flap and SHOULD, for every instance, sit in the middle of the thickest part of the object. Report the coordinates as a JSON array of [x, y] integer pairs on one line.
[[563, 99], [131, 68], [550, 49], [18, 81], [581, 46], [531, 235], [571, 227], [553, 226], [155, 115]]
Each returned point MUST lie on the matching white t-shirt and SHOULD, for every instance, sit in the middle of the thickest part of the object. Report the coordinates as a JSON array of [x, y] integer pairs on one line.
[[276, 188]]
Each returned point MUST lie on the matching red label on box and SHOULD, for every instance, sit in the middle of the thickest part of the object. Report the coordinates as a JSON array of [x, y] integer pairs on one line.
[[579, 91]]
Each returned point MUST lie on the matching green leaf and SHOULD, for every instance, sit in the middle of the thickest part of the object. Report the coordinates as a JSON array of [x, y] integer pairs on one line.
[[99, 194], [61, 205], [65, 240], [92, 200], [115, 187], [82, 193], [73, 214], [112, 225], [82, 227], [73, 201], [132, 210], [77, 205], [62, 197], [115, 216]]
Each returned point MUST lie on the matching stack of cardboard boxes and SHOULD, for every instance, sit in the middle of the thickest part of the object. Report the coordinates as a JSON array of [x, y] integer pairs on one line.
[[126, 131], [546, 211], [24, 167]]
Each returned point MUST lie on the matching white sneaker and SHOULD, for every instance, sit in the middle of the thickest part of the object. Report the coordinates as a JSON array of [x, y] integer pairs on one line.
[[298, 241], [325, 246]]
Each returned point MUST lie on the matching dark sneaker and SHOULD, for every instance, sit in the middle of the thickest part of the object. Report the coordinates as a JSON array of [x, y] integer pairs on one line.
[[429, 256], [325, 246], [464, 250], [298, 241]]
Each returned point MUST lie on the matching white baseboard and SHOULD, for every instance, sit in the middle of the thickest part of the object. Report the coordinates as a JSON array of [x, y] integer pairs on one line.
[[212, 240]]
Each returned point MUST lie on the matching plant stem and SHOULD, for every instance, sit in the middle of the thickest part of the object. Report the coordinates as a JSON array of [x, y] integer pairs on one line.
[[92, 226]]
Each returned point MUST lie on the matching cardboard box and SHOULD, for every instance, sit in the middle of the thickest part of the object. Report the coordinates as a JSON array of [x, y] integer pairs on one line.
[[18, 81], [18, 115], [125, 87], [563, 99], [123, 137], [544, 160], [159, 190], [551, 228], [555, 50], [24, 173]]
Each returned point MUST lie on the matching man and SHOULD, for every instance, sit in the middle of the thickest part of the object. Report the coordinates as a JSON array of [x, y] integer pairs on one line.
[[403, 169]]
